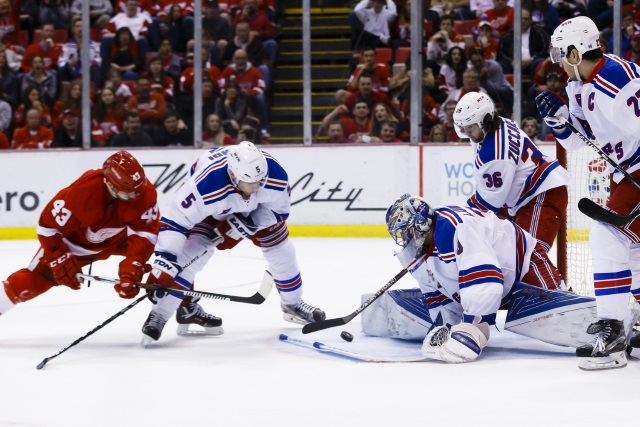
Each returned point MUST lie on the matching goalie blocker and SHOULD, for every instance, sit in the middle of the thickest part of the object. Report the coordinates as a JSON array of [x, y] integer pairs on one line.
[[554, 317]]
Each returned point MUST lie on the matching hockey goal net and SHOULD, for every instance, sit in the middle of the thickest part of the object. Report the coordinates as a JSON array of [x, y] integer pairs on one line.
[[589, 179]]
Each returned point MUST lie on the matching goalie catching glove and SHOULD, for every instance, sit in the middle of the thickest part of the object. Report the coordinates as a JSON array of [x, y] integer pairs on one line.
[[456, 344], [130, 272], [64, 265]]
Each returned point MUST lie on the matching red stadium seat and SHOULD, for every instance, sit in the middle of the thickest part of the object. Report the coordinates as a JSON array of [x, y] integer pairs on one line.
[[402, 53], [465, 27], [383, 55], [509, 78], [95, 34], [17, 38]]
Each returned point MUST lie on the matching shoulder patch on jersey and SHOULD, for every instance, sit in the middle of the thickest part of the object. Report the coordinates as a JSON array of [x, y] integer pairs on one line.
[[215, 185], [445, 229], [491, 149], [614, 75], [277, 177]]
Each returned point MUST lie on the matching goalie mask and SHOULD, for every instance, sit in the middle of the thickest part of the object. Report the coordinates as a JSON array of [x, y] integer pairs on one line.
[[247, 164], [410, 218], [124, 176]]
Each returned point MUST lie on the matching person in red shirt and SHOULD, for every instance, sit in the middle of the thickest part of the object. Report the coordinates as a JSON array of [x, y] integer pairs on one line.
[[500, 18], [380, 74], [355, 123], [251, 82], [105, 212], [46, 48], [260, 26], [33, 134], [150, 106], [365, 91]]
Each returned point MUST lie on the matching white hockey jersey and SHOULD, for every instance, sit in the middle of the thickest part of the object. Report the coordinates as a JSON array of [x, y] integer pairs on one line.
[[208, 192], [510, 170], [472, 263], [609, 101]]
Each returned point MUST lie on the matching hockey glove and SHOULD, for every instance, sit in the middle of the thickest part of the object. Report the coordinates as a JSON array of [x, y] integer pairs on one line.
[[64, 266], [459, 344], [165, 269], [550, 106], [241, 227], [130, 272]]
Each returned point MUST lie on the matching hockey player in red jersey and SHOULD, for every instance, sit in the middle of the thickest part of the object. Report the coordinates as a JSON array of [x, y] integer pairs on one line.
[[105, 212]]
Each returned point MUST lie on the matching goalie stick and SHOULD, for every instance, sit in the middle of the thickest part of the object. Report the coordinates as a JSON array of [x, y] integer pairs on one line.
[[316, 345], [588, 206], [257, 298], [339, 321]]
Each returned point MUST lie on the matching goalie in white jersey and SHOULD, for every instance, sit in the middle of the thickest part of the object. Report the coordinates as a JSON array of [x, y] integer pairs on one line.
[[510, 171], [604, 102], [232, 193], [466, 262]]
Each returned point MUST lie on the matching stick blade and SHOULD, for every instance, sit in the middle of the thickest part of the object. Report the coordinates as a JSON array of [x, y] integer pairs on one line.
[[599, 213], [325, 324], [41, 364]]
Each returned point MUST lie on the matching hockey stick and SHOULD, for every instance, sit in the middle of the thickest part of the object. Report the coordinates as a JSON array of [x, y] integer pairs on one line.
[[339, 321], [588, 206], [316, 345], [257, 298], [91, 332]]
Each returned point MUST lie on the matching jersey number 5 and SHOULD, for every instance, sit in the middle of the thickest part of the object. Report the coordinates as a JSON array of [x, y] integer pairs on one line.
[[494, 180]]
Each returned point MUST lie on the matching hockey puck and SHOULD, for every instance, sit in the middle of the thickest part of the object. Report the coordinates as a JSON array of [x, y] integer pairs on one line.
[[346, 336]]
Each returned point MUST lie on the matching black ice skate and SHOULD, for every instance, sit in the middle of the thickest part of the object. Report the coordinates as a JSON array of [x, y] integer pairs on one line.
[[191, 313], [152, 328], [302, 313], [607, 350]]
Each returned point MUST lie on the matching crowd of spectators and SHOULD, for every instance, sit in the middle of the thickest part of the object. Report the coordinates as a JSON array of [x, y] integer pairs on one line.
[[468, 46], [141, 66]]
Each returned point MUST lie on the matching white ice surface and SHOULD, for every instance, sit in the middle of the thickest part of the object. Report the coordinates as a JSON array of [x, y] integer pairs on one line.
[[247, 377]]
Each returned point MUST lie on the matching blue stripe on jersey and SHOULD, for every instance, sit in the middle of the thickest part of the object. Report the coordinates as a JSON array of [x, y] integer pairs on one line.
[[443, 237], [215, 180], [539, 180], [436, 299], [168, 225], [480, 274], [276, 172], [222, 194], [604, 90], [617, 72], [487, 151]]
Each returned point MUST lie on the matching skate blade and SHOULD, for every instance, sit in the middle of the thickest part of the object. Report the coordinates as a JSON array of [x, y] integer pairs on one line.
[[613, 361], [147, 341], [183, 330], [294, 319]]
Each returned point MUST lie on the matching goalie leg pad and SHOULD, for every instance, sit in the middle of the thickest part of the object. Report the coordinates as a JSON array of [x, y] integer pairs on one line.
[[397, 314], [462, 343]]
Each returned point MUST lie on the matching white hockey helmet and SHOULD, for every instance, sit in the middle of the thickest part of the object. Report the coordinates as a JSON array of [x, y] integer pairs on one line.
[[472, 108], [246, 163], [580, 32], [410, 218]]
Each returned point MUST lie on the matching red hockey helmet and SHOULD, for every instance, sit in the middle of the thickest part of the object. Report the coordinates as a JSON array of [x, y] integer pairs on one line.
[[124, 176]]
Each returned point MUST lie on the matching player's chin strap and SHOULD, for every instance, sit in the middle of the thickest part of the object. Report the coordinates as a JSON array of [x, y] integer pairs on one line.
[[588, 206]]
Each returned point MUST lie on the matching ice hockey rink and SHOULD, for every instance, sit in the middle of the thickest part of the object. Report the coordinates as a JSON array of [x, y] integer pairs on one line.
[[247, 377]]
